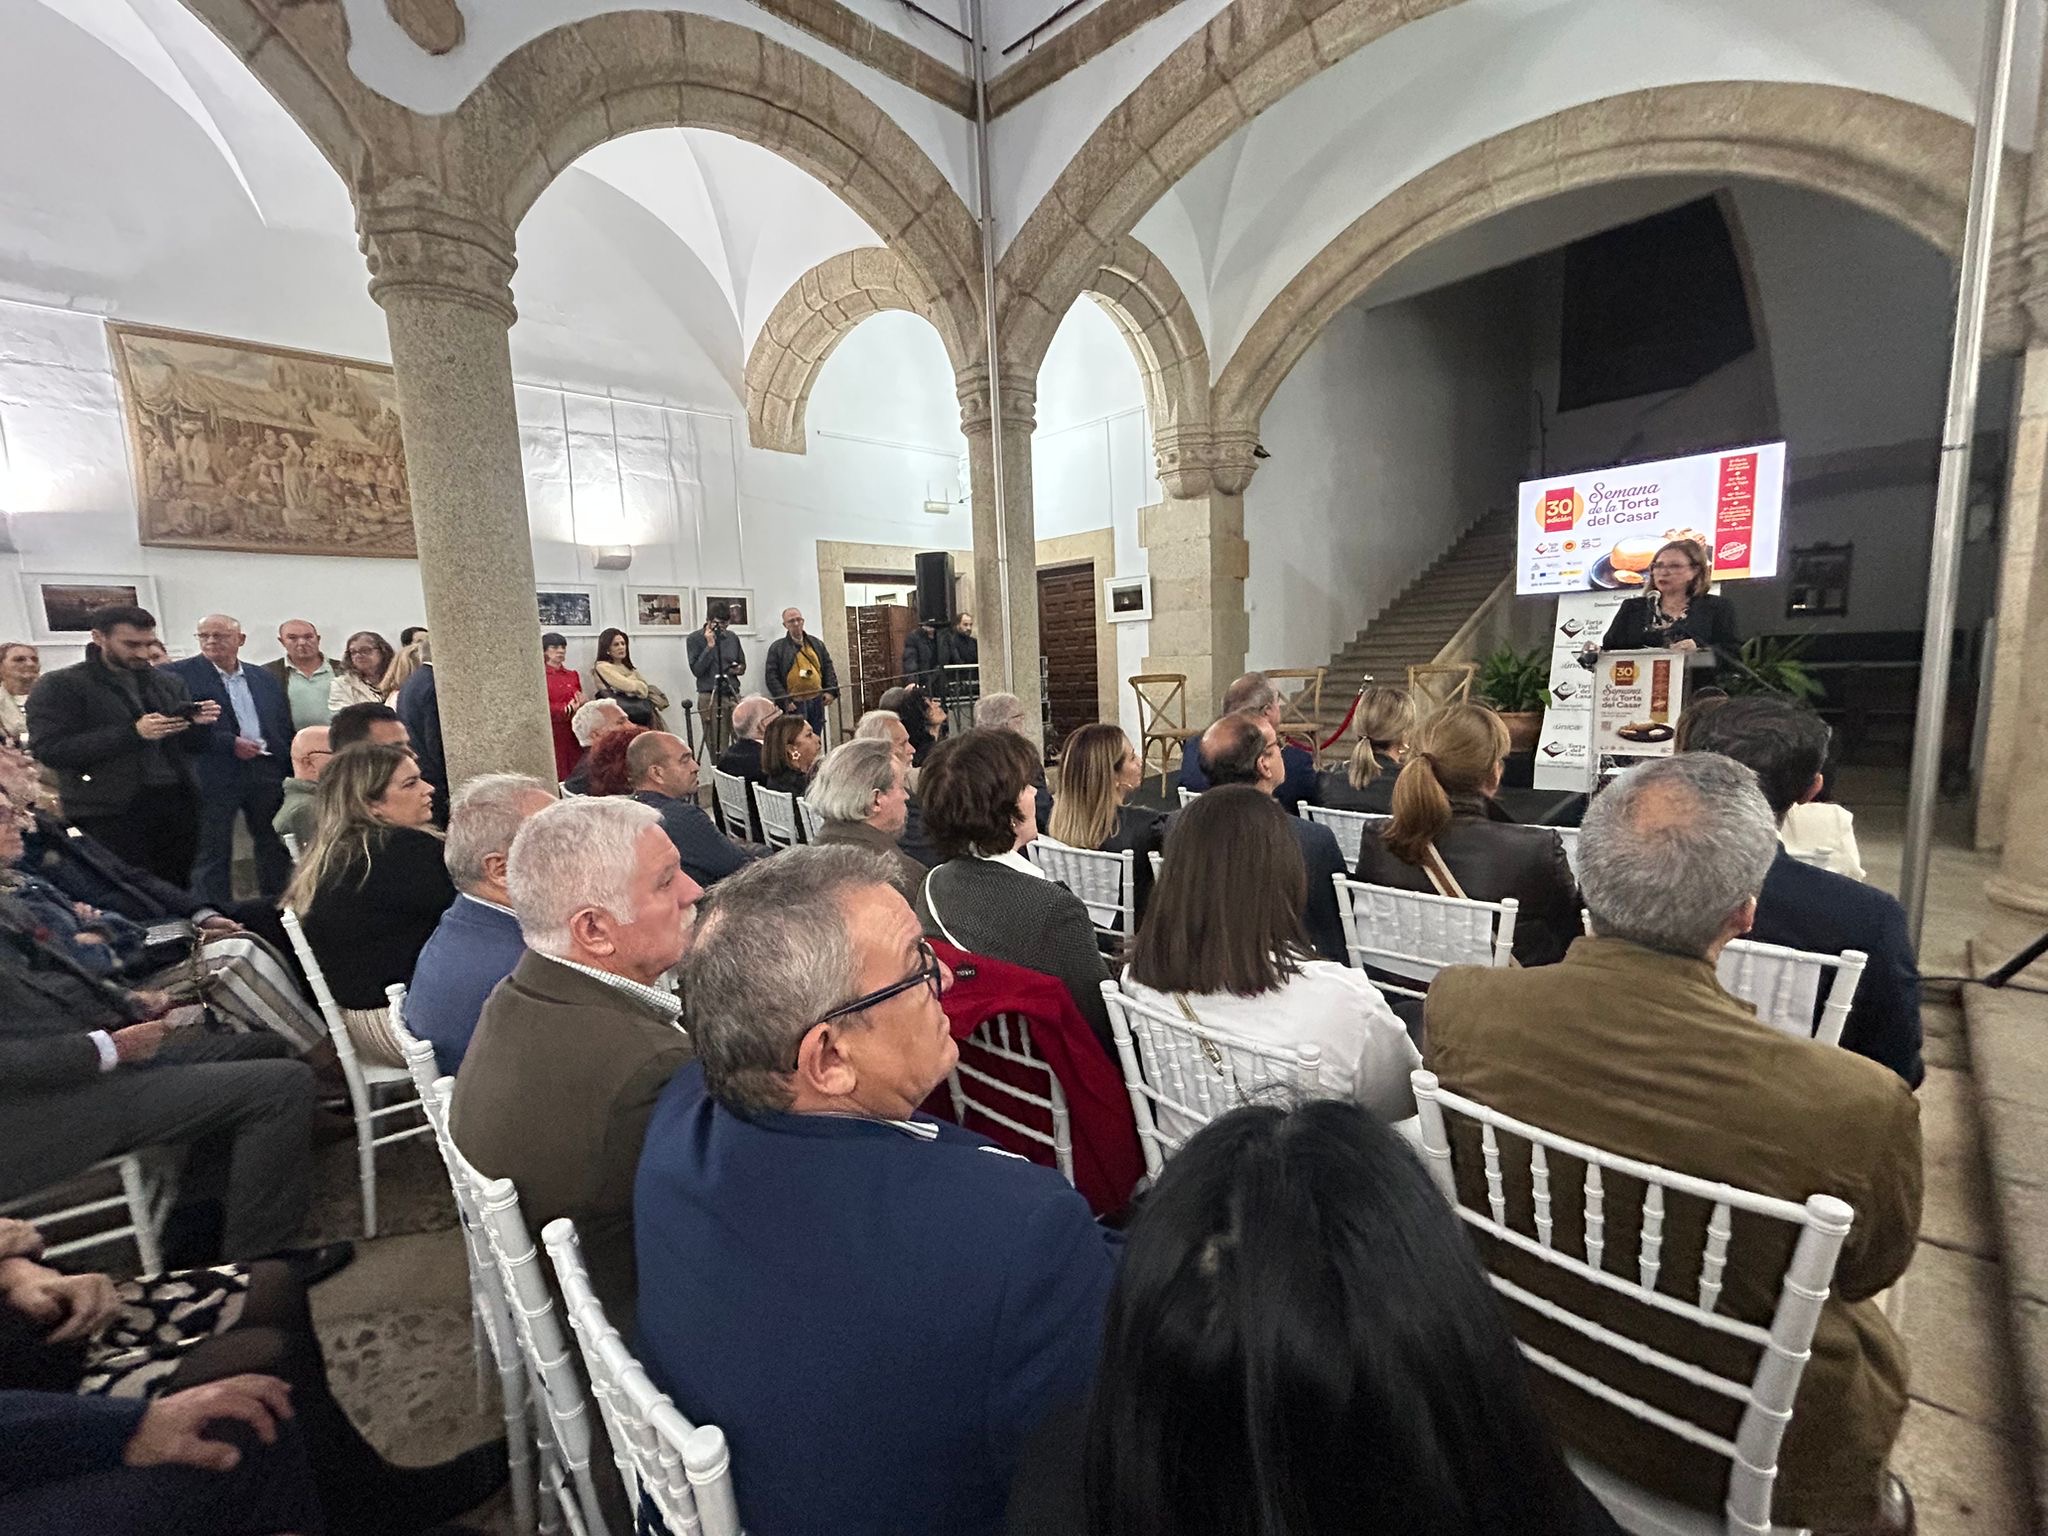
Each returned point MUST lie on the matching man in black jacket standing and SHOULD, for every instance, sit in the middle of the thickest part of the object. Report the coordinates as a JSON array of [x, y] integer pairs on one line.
[[718, 661], [109, 727], [800, 672], [921, 655]]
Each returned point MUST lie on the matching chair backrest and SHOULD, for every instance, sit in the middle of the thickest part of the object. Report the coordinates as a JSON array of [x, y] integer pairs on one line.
[[729, 790], [419, 1061], [291, 844], [1435, 684], [1187, 796], [1000, 1078], [1301, 711], [536, 1326], [777, 809], [1158, 860], [1765, 1394], [1105, 882], [1182, 1074], [1408, 933], [1784, 985], [1569, 836], [1349, 828], [1162, 700], [813, 822]]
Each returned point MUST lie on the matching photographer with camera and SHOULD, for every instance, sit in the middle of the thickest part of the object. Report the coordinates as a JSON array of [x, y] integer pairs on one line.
[[719, 663], [108, 727]]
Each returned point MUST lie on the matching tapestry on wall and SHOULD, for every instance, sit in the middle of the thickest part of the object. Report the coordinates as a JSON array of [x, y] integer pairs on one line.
[[247, 447]]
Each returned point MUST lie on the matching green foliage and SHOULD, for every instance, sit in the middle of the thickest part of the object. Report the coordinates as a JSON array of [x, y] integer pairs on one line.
[[1775, 666], [1515, 682]]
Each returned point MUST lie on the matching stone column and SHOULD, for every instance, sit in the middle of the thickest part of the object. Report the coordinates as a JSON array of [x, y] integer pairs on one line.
[[443, 280], [1008, 661], [2021, 884], [1196, 552]]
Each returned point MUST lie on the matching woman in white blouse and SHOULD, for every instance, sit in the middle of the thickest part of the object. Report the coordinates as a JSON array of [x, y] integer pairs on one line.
[[1221, 944]]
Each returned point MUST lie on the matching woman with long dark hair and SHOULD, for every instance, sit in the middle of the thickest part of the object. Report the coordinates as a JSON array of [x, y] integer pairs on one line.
[[617, 678], [924, 717], [1301, 1342]]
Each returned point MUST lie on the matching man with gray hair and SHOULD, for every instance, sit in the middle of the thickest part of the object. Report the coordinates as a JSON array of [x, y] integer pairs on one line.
[[860, 799], [750, 718], [1254, 694], [1631, 1045], [887, 725], [1005, 712], [928, 1298], [575, 1045], [590, 721], [477, 942]]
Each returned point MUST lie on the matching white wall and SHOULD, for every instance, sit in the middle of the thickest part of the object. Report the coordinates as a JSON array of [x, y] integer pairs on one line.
[[1399, 428]]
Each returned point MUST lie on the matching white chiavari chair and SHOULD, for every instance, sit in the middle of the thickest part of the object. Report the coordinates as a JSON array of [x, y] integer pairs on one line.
[[1105, 882], [1413, 934], [1350, 828]]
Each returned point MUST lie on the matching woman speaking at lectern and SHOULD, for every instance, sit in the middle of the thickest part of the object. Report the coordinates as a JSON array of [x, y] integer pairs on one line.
[[1678, 612]]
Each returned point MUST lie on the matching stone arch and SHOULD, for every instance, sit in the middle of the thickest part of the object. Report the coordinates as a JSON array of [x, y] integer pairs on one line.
[[301, 55], [584, 83], [821, 308], [1136, 291], [1909, 163]]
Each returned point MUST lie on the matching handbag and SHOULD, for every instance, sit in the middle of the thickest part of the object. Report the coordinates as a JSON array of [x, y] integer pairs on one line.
[[1446, 883]]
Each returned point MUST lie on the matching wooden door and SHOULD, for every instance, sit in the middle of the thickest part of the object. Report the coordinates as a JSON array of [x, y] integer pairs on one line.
[[1066, 639]]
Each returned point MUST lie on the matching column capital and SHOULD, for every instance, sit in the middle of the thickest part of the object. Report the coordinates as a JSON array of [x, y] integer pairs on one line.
[[416, 244], [1020, 403], [1193, 461]]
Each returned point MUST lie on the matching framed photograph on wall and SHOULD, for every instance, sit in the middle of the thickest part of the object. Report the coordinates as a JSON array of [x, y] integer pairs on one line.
[[569, 609], [1127, 599], [739, 602], [658, 610], [60, 607]]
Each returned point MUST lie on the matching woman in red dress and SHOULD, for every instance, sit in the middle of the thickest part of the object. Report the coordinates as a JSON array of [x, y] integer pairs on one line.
[[565, 697]]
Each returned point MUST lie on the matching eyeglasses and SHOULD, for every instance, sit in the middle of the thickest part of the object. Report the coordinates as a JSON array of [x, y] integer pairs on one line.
[[930, 972], [1668, 567]]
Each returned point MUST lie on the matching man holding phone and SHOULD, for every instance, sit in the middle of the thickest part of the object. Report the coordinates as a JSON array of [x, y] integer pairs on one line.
[[108, 728]]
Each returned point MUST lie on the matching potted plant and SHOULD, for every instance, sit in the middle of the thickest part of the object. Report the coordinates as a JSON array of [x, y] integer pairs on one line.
[[1517, 685], [1771, 665]]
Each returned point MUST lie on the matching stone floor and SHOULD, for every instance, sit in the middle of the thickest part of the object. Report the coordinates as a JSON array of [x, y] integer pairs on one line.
[[396, 1324]]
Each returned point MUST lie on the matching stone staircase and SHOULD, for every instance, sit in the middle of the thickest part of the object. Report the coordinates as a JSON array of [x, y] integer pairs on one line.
[[1418, 624]]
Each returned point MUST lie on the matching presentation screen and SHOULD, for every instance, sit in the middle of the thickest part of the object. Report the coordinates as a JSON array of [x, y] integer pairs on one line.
[[1599, 529]]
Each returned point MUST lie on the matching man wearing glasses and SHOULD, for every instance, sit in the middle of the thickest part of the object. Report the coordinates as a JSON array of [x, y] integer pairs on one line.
[[924, 1299]]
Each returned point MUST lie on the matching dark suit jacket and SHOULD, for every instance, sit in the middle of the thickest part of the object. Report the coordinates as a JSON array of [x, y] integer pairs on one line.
[[708, 854], [83, 724], [46, 1437], [1494, 858], [47, 1007], [473, 948], [86, 870], [419, 707], [1817, 909], [1643, 1054], [213, 746], [974, 1283], [1299, 788], [554, 1094], [908, 875], [1333, 788], [1709, 621]]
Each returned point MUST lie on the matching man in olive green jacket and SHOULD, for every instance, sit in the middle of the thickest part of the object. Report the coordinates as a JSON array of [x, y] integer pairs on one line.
[[1632, 1046]]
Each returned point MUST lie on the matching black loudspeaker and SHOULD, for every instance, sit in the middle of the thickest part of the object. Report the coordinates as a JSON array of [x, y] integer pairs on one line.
[[935, 588]]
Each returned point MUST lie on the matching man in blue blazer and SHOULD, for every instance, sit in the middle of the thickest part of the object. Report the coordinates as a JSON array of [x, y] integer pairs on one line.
[[241, 760], [1785, 745], [1252, 694], [875, 1307]]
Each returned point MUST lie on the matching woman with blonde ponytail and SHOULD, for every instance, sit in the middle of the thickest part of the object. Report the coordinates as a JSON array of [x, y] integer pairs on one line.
[[1384, 723], [1450, 837]]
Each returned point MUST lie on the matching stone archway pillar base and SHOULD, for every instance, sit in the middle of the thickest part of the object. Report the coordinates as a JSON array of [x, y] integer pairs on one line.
[[1009, 661], [443, 283]]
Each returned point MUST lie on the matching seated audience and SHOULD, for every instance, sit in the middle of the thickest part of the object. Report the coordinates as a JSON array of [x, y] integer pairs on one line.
[[1005, 712], [1451, 837], [887, 725], [1385, 721], [789, 755], [1099, 772], [642, 701], [859, 794], [988, 897], [663, 772], [1230, 955], [924, 717], [124, 1352], [372, 722], [750, 718], [587, 1024], [20, 665], [1243, 749], [1805, 907], [1253, 694], [928, 1299], [586, 725], [1673, 855], [371, 887], [1301, 1341], [477, 942], [608, 773], [294, 818], [360, 680]]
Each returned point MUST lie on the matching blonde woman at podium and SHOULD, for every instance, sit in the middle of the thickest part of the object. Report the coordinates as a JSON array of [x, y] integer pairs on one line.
[[1677, 612]]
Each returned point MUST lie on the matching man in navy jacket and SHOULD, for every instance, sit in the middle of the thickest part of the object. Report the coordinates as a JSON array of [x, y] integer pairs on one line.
[[875, 1307], [1785, 745], [1252, 694], [241, 760]]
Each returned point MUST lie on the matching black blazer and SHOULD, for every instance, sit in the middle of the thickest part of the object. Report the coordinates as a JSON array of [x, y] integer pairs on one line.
[[1334, 789], [1493, 858], [83, 724], [368, 926], [1709, 622], [213, 746]]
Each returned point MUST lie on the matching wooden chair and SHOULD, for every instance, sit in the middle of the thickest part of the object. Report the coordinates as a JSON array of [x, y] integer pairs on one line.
[[1435, 684], [1414, 935], [1162, 719], [1567, 1174], [1301, 711]]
